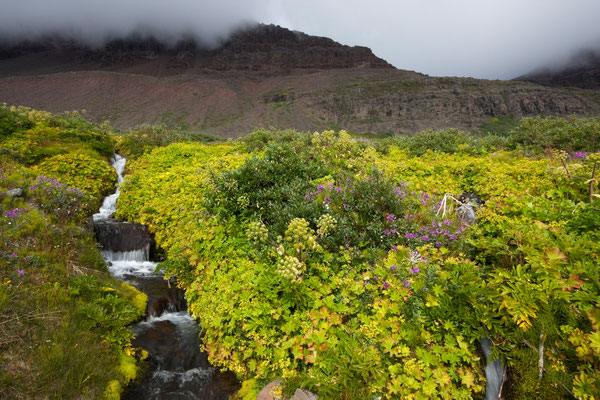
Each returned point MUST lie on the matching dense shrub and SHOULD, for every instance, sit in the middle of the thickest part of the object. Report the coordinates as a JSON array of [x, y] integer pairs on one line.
[[270, 188], [449, 141], [339, 268], [46, 135], [573, 134], [143, 138], [94, 177]]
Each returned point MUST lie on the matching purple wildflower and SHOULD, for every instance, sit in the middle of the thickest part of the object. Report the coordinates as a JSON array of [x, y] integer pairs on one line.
[[581, 155], [386, 285], [406, 283], [21, 272], [415, 270], [390, 217], [393, 267]]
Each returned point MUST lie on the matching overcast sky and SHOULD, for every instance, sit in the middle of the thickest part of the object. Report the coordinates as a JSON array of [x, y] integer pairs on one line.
[[496, 39]]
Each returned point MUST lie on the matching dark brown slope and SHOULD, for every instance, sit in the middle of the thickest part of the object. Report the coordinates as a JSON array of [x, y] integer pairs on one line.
[[583, 72], [262, 77]]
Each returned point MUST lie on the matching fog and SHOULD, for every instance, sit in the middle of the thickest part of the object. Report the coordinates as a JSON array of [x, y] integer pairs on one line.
[[495, 39]]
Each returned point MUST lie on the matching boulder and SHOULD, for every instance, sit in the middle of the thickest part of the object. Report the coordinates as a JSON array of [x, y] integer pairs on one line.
[[18, 192], [271, 392], [302, 394]]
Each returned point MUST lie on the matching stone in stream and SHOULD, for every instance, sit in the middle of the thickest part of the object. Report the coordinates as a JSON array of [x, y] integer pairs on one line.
[[119, 236]]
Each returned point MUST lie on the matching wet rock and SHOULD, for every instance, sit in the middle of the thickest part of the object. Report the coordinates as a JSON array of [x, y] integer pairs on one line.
[[271, 391], [122, 236]]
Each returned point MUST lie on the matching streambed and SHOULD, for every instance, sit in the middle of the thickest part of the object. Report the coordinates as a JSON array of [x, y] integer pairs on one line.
[[178, 369]]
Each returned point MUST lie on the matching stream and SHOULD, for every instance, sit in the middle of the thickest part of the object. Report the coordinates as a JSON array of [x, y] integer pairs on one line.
[[178, 369]]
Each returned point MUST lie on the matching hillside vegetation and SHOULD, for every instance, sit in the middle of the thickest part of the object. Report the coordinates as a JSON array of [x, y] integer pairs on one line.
[[353, 268], [63, 320]]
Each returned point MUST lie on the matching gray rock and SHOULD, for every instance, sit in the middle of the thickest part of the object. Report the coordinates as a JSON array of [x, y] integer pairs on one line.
[[302, 394], [18, 192], [269, 391]]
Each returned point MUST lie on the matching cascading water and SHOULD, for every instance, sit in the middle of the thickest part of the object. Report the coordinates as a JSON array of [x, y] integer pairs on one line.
[[179, 370], [494, 372]]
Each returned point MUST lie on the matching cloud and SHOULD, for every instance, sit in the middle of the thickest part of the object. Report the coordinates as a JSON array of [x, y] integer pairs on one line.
[[95, 22], [480, 38]]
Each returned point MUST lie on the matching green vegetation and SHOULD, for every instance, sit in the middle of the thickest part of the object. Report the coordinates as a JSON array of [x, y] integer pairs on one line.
[[335, 264], [63, 320], [339, 264], [499, 126], [145, 137]]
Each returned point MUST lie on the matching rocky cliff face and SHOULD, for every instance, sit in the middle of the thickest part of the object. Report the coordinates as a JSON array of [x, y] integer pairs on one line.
[[254, 48], [269, 47], [265, 77]]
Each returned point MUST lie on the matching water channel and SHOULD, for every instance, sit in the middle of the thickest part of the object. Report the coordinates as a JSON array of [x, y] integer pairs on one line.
[[178, 369]]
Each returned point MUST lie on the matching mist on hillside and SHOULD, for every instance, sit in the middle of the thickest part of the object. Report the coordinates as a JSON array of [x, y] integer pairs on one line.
[[498, 40]]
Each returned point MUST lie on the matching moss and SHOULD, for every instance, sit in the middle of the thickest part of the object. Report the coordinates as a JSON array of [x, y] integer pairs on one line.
[[249, 390], [113, 390], [137, 298]]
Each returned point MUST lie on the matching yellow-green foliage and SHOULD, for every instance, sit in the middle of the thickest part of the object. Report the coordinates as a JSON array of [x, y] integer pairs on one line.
[[144, 138], [179, 173], [113, 390], [376, 307], [128, 367], [94, 177], [137, 298], [35, 135], [249, 390]]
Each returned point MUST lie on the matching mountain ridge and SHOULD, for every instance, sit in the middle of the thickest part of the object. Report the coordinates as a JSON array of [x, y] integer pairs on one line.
[[267, 76]]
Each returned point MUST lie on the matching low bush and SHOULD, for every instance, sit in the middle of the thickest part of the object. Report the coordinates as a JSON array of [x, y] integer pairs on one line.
[[143, 138]]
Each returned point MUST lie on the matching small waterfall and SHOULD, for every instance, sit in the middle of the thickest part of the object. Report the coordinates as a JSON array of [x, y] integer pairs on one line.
[[178, 368], [109, 205], [494, 372]]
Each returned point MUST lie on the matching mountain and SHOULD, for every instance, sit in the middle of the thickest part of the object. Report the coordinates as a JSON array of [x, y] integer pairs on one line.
[[582, 71], [261, 76]]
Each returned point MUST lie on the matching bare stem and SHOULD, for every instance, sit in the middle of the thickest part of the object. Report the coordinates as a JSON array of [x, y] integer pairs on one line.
[[592, 183], [541, 356], [565, 167]]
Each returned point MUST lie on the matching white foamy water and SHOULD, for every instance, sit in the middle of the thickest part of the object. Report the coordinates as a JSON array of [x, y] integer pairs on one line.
[[139, 255], [109, 205], [494, 372], [122, 269], [181, 319], [184, 378]]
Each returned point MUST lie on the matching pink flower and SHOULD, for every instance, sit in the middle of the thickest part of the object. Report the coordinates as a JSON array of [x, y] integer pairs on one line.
[[21, 272]]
